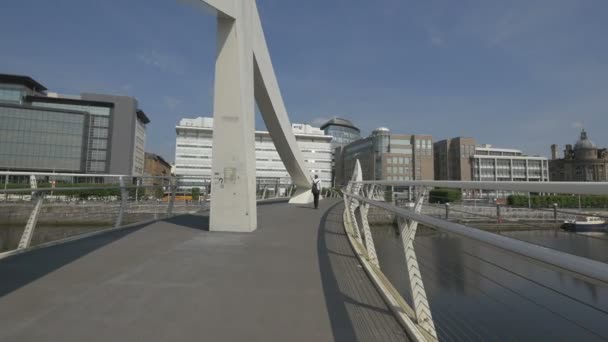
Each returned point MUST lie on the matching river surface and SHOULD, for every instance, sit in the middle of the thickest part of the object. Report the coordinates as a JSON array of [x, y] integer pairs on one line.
[[10, 234], [480, 293]]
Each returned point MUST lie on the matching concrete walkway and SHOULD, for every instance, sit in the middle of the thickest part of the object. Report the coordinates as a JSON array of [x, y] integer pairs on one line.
[[294, 279]]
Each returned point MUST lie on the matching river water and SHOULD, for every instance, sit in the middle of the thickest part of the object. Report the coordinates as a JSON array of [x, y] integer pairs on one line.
[[10, 234], [477, 292]]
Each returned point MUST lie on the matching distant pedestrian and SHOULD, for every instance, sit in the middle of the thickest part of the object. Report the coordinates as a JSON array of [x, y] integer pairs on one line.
[[316, 189]]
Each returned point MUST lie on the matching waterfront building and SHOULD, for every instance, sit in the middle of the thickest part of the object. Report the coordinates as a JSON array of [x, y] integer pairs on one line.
[[386, 156], [156, 166], [503, 164], [88, 133], [452, 158], [583, 163], [343, 132], [194, 145], [461, 159]]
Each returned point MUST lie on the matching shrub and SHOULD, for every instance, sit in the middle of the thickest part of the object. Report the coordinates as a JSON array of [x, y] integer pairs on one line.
[[445, 195], [563, 201], [196, 192]]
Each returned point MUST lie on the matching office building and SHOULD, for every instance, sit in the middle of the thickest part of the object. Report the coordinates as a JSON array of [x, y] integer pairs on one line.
[[502, 164], [194, 144], [386, 156], [89, 133], [343, 132], [461, 159], [583, 163], [155, 166], [452, 158]]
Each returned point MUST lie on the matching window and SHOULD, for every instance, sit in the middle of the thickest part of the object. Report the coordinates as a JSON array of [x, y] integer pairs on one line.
[[10, 95]]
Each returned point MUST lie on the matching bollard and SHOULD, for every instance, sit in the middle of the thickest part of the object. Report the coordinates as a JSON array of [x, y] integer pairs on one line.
[[555, 213], [447, 211], [498, 217]]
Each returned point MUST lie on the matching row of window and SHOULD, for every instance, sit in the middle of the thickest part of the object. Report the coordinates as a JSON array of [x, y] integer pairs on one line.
[[398, 178], [93, 110], [194, 145], [10, 95], [424, 144], [40, 162], [398, 169]]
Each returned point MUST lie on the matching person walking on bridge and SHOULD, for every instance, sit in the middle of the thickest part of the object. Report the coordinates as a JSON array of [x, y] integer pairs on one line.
[[316, 189]]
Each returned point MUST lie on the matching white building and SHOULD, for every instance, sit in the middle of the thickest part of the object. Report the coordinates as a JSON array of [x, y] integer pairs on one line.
[[502, 164], [193, 154]]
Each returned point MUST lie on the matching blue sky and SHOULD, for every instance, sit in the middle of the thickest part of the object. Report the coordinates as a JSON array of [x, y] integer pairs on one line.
[[519, 73]]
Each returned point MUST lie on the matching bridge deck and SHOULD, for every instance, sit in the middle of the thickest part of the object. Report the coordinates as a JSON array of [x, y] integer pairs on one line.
[[295, 279]]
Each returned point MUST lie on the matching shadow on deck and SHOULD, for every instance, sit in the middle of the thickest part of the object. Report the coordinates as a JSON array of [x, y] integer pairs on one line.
[[296, 278]]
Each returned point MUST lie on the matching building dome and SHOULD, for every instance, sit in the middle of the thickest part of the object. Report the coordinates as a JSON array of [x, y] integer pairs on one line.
[[381, 130], [585, 149], [584, 142]]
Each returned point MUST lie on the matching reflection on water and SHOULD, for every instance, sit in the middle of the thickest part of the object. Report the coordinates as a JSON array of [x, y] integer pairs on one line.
[[477, 292]]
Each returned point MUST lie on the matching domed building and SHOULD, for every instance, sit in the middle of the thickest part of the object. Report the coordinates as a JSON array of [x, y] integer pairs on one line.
[[584, 162]]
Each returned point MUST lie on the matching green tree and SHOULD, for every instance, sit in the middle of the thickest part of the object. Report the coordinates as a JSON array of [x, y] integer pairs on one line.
[[196, 193]]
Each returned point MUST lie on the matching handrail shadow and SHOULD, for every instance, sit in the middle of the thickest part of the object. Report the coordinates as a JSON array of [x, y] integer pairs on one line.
[[338, 267]]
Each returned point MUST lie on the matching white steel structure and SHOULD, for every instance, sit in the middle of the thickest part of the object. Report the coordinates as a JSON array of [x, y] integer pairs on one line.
[[194, 146], [244, 76], [416, 316], [502, 164]]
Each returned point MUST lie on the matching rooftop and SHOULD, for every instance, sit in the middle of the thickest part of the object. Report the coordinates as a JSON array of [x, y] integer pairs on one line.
[[340, 122], [72, 101], [22, 80], [584, 142]]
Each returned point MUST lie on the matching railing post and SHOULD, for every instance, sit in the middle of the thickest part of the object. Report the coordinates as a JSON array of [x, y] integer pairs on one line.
[[32, 221], [421, 305], [498, 215], [367, 233], [137, 184], [447, 211], [5, 186], [555, 213], [172, 188], [124, 197]]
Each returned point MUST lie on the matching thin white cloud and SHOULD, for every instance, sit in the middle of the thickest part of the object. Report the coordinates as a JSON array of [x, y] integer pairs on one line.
[[171, 102], [578, 124], [434, 36], [161, 60]]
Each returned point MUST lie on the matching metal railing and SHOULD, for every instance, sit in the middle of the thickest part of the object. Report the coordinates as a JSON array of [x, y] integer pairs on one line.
[[102, 202], [66, 209], [360, 196]]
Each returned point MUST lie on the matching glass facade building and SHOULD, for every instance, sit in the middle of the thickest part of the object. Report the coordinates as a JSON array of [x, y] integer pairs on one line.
[[100, 114], [34, 139], [342, 131], [89, 133]]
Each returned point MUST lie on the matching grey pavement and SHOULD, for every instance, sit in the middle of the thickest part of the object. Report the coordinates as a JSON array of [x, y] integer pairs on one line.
[[294, 279]]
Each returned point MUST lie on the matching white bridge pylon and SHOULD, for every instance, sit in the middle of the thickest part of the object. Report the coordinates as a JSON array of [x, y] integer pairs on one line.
[[243, 76]]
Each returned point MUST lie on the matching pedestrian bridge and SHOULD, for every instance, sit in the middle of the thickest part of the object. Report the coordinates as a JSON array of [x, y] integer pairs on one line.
[[356, 269], [295, 279]]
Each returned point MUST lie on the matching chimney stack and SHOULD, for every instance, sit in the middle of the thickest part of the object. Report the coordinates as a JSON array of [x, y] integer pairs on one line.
[[553, 151]]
